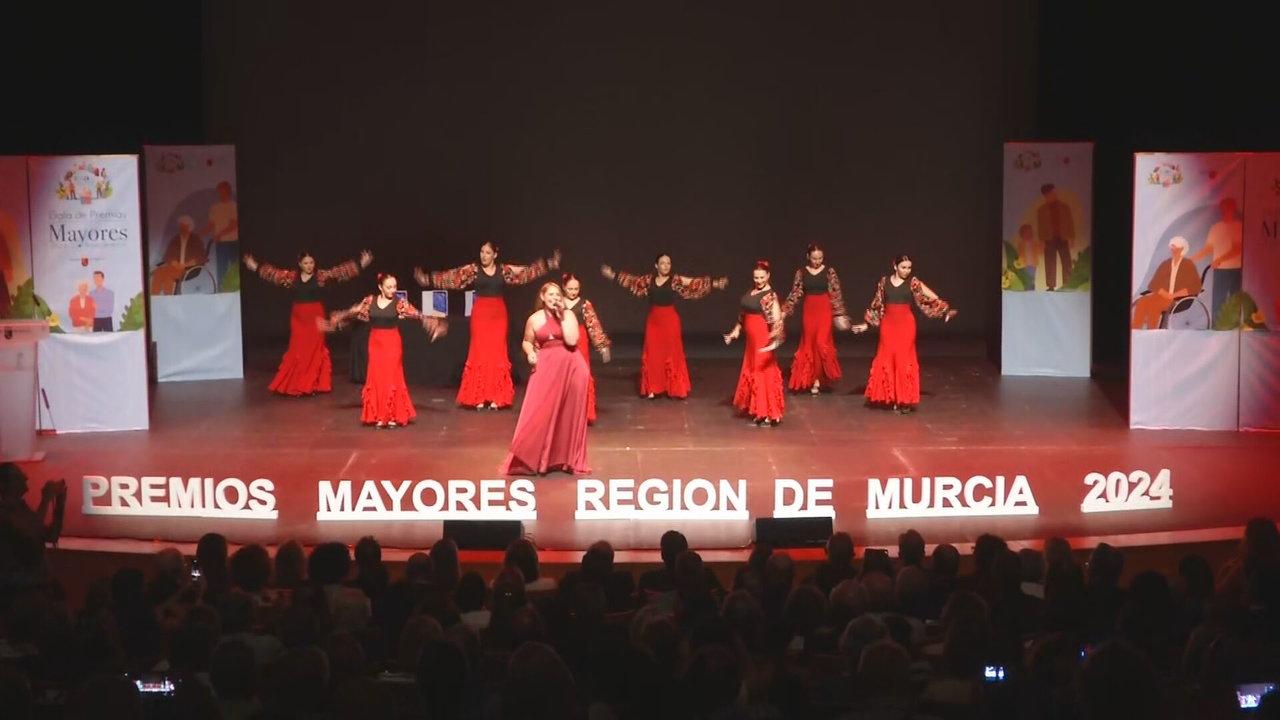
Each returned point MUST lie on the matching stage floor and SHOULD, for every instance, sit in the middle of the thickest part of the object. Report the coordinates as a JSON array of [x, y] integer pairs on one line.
[[973, 425]]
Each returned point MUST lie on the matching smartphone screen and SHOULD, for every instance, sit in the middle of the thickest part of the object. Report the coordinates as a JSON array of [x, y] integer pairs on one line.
[[1250, 696], [993, 673], [155, 685]]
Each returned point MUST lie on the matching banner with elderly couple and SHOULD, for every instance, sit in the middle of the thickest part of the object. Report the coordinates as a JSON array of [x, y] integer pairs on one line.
[[1188, 261], [193, 266], [86, 250], [1047, 259]]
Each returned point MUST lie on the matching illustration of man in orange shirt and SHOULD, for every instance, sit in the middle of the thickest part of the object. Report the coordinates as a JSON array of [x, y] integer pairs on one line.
[[1057, 231], [1226, 243], [81, 309]]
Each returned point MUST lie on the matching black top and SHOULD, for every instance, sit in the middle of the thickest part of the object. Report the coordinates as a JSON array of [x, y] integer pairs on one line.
[[900, 295], [305, 291], [662, 294], [489, 285], [814, 284], [579, 311], [383, 318], [750, 302]]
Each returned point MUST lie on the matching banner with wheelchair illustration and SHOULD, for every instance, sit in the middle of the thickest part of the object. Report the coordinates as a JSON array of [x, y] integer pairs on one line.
[[86, 250], [1047, 260], [17, 296], [1256, 309], [1188, 260], [193, 261]]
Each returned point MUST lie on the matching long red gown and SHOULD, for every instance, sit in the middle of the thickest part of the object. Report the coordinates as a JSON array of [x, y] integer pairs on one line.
[[551, 433]]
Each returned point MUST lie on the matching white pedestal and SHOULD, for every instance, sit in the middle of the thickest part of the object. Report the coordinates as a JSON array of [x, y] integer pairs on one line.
[[19, 340]]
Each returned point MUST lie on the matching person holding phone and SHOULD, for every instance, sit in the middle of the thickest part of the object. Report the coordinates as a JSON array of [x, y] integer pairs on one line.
[[385, 397], [23, 530], [551, 433]]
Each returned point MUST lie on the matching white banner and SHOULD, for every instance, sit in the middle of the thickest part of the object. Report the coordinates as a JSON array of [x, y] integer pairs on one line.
[[87, 262], [1187, 251], [1047, 259], [193, 266], [17, 299]]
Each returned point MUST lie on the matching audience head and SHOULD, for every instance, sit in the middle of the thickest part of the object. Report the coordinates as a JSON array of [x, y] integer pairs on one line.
[[911, 548], [444, 556], [840, 549], [291, 564], [329, 564], [523, 555], [673, 543], [250, 568]]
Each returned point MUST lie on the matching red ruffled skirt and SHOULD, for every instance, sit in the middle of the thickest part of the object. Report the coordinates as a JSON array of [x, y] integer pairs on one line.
[[816, 357], [759, 393], [386, 397], [305, 367], [584, 349], [662, 364], [487, 375], [895, 371]]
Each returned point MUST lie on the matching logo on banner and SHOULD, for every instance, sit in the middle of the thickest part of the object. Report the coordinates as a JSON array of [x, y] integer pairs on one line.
[[85, 182], [1027, 160], [1165, 174], [170, 162]]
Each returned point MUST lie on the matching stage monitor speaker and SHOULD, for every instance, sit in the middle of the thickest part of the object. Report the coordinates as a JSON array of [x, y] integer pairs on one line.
[[794, 532], [483, 534]]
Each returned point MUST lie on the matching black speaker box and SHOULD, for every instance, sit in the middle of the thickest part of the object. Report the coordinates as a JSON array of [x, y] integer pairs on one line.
[[483, 534], [794, 532]]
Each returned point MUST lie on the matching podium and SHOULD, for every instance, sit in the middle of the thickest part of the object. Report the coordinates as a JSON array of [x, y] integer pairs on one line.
[[18, 342]]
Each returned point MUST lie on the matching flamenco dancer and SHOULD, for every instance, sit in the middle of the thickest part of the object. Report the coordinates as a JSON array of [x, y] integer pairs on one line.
[[551, 433], [759, 393], [486, 378], [895, 371], [662, 365], [815, 365], [386, 402], [587, 318], [305, 368]]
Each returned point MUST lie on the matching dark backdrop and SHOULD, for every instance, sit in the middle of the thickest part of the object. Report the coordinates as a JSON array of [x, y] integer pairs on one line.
[[719, 132]]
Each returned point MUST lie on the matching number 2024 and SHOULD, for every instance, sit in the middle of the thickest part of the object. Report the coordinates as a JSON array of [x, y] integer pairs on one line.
[[1131, 491]]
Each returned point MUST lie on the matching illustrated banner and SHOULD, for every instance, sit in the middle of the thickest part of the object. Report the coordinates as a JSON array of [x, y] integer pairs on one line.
[[1257, 307], [17, 297], [1188, 259], [86, 241], [193, 266], [1047, 259]]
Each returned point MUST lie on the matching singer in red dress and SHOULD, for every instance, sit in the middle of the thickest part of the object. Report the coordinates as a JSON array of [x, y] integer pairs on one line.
[[486, 378], [895, 370], [587, 318], [662, 365], [551, 433], [305, 368], [385, 397], [816, 365], [759, 393]]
